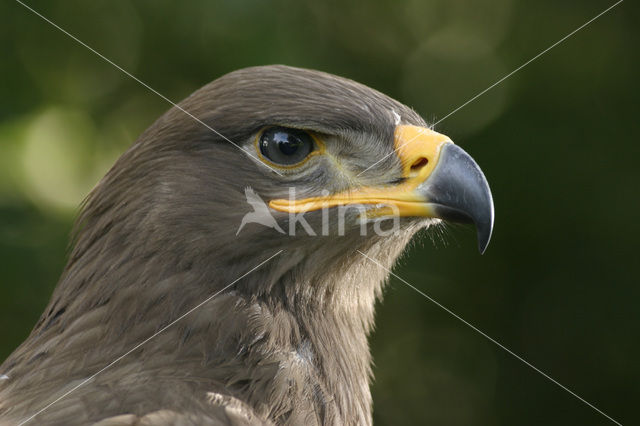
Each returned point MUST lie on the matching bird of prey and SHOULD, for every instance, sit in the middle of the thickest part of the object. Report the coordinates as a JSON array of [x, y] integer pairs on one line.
[[281, 344]]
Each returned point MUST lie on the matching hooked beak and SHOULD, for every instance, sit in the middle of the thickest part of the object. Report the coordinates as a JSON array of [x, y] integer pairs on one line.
[[457, 191], [440, 180]]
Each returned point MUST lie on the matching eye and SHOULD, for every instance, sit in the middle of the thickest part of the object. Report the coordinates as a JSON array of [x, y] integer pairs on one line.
[[285, 146]]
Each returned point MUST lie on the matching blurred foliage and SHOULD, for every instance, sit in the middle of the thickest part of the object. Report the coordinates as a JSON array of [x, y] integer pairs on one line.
[[558, 142]]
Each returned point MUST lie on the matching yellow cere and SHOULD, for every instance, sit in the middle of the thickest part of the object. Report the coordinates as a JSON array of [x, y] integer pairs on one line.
[[418, 149]]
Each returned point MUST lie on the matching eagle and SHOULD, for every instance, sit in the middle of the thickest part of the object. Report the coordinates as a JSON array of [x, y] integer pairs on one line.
[[278, 314]]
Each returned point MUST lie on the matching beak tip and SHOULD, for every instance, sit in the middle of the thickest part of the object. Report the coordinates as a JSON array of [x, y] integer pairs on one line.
[[485, 230], [461, 192], [483, 242]]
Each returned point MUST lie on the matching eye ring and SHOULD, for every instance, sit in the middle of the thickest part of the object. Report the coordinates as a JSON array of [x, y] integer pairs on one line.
[[286, 147]]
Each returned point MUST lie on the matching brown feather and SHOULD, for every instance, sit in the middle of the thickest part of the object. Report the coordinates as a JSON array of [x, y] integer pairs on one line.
[[287, 344]]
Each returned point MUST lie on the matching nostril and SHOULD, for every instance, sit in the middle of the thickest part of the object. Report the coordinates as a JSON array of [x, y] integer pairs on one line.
[[419, 163]]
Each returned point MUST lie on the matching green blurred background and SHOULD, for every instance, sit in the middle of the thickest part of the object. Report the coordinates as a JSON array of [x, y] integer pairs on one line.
[[559, 142]]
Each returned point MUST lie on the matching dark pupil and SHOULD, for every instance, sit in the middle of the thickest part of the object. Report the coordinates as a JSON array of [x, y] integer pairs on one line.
[[287, 143], [285, 146]]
